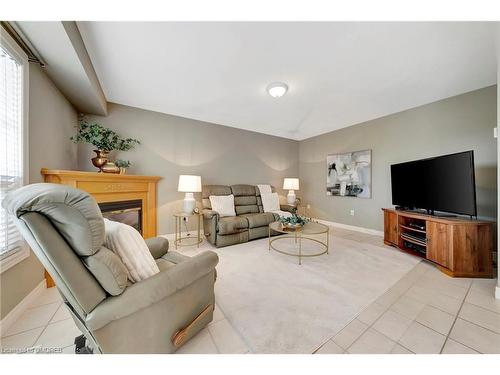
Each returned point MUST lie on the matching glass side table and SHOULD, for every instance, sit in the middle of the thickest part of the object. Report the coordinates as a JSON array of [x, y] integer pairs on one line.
[[187, 240]]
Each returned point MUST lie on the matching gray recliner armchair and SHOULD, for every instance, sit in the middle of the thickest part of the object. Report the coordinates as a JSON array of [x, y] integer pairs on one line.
[[65, 229]]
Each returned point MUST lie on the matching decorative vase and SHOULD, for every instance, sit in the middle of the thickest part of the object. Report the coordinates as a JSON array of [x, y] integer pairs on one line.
[[100, 159], [110, 167]]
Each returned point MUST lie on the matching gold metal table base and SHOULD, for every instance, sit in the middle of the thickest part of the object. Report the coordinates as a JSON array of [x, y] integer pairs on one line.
[[178, 241], [298, 237]]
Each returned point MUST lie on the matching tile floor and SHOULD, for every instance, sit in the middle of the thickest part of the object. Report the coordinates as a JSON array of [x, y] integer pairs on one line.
[[425, 312], [45, 326]]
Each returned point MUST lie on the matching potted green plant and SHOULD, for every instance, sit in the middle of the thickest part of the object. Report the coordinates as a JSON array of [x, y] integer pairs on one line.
[[103, 139], [293, 221], [123, 165]]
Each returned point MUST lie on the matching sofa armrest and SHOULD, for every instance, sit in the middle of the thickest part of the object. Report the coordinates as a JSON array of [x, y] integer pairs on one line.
[[288, 208], [209, 214], [158, 246], [210, 225], [152, 290]]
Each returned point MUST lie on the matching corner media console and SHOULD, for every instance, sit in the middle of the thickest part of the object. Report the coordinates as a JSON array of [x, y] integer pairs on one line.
[[459, 247]]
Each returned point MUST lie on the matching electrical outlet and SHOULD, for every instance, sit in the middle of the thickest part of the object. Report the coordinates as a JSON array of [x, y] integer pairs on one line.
[[308, 206], [352, 212]]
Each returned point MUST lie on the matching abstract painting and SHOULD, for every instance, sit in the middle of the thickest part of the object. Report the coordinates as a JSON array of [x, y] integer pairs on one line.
[[349, 174]]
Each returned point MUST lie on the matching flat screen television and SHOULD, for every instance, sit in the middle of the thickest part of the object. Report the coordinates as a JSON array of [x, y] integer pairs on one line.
[[443, 183]]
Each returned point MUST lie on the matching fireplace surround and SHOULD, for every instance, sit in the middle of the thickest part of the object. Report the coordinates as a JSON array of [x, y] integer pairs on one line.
[[133, 194]]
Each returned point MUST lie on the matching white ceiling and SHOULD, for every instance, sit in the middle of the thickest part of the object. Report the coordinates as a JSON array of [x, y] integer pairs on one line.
[[338, 73], [60, 46]]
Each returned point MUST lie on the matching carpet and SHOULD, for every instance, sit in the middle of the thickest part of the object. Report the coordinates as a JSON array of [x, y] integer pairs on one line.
[[278, 306]]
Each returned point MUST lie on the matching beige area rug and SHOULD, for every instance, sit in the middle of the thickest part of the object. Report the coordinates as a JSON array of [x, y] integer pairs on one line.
[[278, 306]]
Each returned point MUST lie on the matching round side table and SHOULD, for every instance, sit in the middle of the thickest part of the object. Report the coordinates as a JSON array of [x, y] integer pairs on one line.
[[187, 240]]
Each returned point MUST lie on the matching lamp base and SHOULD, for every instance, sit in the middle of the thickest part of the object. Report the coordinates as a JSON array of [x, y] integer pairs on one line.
[[291, 197], [189, 203]]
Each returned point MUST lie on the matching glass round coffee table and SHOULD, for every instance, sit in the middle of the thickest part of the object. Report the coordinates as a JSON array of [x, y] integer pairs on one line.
[[299, 234]]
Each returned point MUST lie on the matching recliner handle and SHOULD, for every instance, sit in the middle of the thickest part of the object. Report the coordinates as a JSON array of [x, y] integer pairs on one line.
[[180, 336]]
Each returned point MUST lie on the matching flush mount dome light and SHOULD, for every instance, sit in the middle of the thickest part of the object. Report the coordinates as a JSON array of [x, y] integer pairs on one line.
[[277, 89]]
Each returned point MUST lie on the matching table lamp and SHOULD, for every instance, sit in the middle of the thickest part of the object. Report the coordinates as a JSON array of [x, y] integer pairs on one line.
[[189, 184], [291, 184]]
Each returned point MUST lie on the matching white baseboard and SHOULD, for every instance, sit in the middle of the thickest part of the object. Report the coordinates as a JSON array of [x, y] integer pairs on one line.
[[497, 292], [21, 307], [352, 227]]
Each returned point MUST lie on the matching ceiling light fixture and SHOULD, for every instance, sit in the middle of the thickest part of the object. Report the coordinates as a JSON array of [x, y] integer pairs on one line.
[[277, 89]]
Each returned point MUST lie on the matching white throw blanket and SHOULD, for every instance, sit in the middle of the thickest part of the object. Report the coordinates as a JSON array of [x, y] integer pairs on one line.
[[128, 244], [265, 189]]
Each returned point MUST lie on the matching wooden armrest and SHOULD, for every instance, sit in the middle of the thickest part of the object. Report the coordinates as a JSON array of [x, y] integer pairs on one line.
[[180, 336]]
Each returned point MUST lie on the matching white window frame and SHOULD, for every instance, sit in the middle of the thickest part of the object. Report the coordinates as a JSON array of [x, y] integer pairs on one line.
[[15, 51]]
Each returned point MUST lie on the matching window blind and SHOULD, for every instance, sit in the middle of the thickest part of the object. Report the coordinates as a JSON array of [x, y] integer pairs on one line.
[[11, 145]]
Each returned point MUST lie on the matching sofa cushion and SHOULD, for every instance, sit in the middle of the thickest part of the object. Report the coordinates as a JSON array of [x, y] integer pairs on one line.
[[232, 224], [170, 260], [260, 219], [175, 257], [163, 264], [241, 190], [245, 200], [208, 190], [241, 210], [109, 270]]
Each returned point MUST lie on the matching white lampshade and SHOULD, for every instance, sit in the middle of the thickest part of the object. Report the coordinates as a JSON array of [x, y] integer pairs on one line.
[[189, 184], [291, 184]]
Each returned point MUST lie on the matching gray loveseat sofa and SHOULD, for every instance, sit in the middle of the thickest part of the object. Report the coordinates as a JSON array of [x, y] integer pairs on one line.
[[250, 222]]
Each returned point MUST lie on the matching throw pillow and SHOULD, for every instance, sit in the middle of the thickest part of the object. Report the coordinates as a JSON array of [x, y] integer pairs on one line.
[[270, 202], [223, 204], [126, 242]]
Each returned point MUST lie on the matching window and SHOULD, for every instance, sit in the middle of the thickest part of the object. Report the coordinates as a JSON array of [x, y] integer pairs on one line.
[[13, 142]]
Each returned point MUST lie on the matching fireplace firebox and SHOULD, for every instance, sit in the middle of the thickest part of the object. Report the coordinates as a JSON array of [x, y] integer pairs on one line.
[[127, 212]]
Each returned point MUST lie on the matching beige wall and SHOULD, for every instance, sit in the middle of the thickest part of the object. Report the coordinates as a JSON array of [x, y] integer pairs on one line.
[[51, 122], [456, 124], [173, 145]]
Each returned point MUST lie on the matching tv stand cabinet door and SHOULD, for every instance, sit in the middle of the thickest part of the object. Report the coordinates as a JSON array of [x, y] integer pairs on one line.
[[473, 246], [391, 227], [438, 243]]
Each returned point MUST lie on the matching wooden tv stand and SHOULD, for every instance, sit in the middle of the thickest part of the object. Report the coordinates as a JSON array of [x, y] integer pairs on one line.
[[459, 247]]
